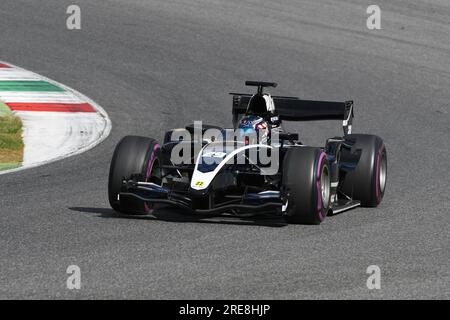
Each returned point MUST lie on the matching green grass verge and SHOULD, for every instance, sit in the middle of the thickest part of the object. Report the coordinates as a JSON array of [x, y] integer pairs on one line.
[[4, 110], [11, 144], [7, 166]]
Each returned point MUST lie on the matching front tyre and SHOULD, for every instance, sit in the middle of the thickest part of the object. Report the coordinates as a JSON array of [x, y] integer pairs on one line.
[[133, 155], [306, 185]]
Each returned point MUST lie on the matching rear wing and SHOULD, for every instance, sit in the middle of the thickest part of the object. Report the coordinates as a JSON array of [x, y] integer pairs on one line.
[[294, 109]]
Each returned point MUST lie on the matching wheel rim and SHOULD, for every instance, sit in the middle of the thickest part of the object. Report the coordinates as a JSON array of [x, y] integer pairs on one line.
[[325, 186], [383, 172]]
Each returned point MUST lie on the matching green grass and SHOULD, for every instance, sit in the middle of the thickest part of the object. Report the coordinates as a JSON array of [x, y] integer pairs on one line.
[[7, 166], [4, 110], [11, 144], [10, 133]]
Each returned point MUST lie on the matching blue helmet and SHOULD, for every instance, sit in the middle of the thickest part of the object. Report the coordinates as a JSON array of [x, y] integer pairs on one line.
[[254, 128]]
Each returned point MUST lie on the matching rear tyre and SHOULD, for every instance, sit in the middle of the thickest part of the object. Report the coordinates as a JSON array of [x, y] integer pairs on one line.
[[367, 182], [133, 155], [306, 185]]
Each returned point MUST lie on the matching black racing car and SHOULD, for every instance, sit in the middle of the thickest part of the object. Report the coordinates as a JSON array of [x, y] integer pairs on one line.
[[256, 167]]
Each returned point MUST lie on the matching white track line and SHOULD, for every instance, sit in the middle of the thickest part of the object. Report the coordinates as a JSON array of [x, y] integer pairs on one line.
[[11, 74], [72, 133], [40, 97], [69, 131]]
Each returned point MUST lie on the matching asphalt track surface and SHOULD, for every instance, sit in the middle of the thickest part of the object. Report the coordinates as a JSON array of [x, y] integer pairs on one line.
[[155, 65]]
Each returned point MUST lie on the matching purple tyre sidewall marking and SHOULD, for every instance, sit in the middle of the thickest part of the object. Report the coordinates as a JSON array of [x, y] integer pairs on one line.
[[377, 177], [149, 208], [318, 187]]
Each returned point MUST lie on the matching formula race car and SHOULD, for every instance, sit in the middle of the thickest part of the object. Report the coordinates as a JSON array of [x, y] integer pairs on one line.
[[254, 168]]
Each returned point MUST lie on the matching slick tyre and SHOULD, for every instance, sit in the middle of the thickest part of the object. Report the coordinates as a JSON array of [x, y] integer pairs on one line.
[[367, 182], [306, 185], [133, 155]]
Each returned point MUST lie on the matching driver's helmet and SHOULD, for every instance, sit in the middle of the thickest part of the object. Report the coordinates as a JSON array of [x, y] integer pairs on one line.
[[254, 129], [260, 104]]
